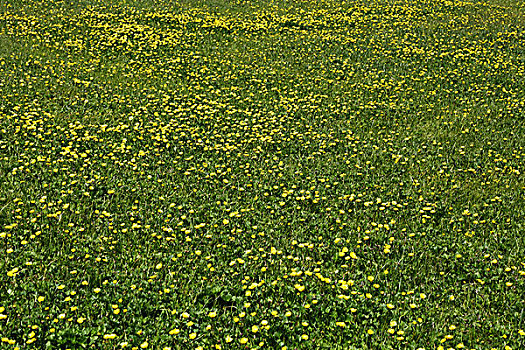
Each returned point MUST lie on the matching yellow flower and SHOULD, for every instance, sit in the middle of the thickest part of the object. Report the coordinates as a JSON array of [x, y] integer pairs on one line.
[[110, 336], [174, 331], [40, 299], [304, 337], [193, 335], [212, 314], [228, 339], [370, 332], [299, 287], [144, 345], [255, 329], [243, 340]]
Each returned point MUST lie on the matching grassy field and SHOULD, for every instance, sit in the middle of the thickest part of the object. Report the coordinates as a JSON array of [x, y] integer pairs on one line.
[[211, 174]]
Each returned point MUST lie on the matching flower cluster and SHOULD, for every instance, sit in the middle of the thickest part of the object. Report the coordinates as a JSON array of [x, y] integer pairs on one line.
[[262, 174]]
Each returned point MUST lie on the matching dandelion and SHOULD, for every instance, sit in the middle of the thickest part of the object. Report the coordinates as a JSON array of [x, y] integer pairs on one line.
[[299, 287]]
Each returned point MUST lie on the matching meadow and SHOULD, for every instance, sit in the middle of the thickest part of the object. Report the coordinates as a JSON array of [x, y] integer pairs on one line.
[[211, 174]]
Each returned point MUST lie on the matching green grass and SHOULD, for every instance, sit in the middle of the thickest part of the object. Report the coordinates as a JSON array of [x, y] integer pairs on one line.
[[262, 175]]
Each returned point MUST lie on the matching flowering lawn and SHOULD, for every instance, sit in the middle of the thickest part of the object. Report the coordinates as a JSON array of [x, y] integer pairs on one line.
[[212, 174]]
